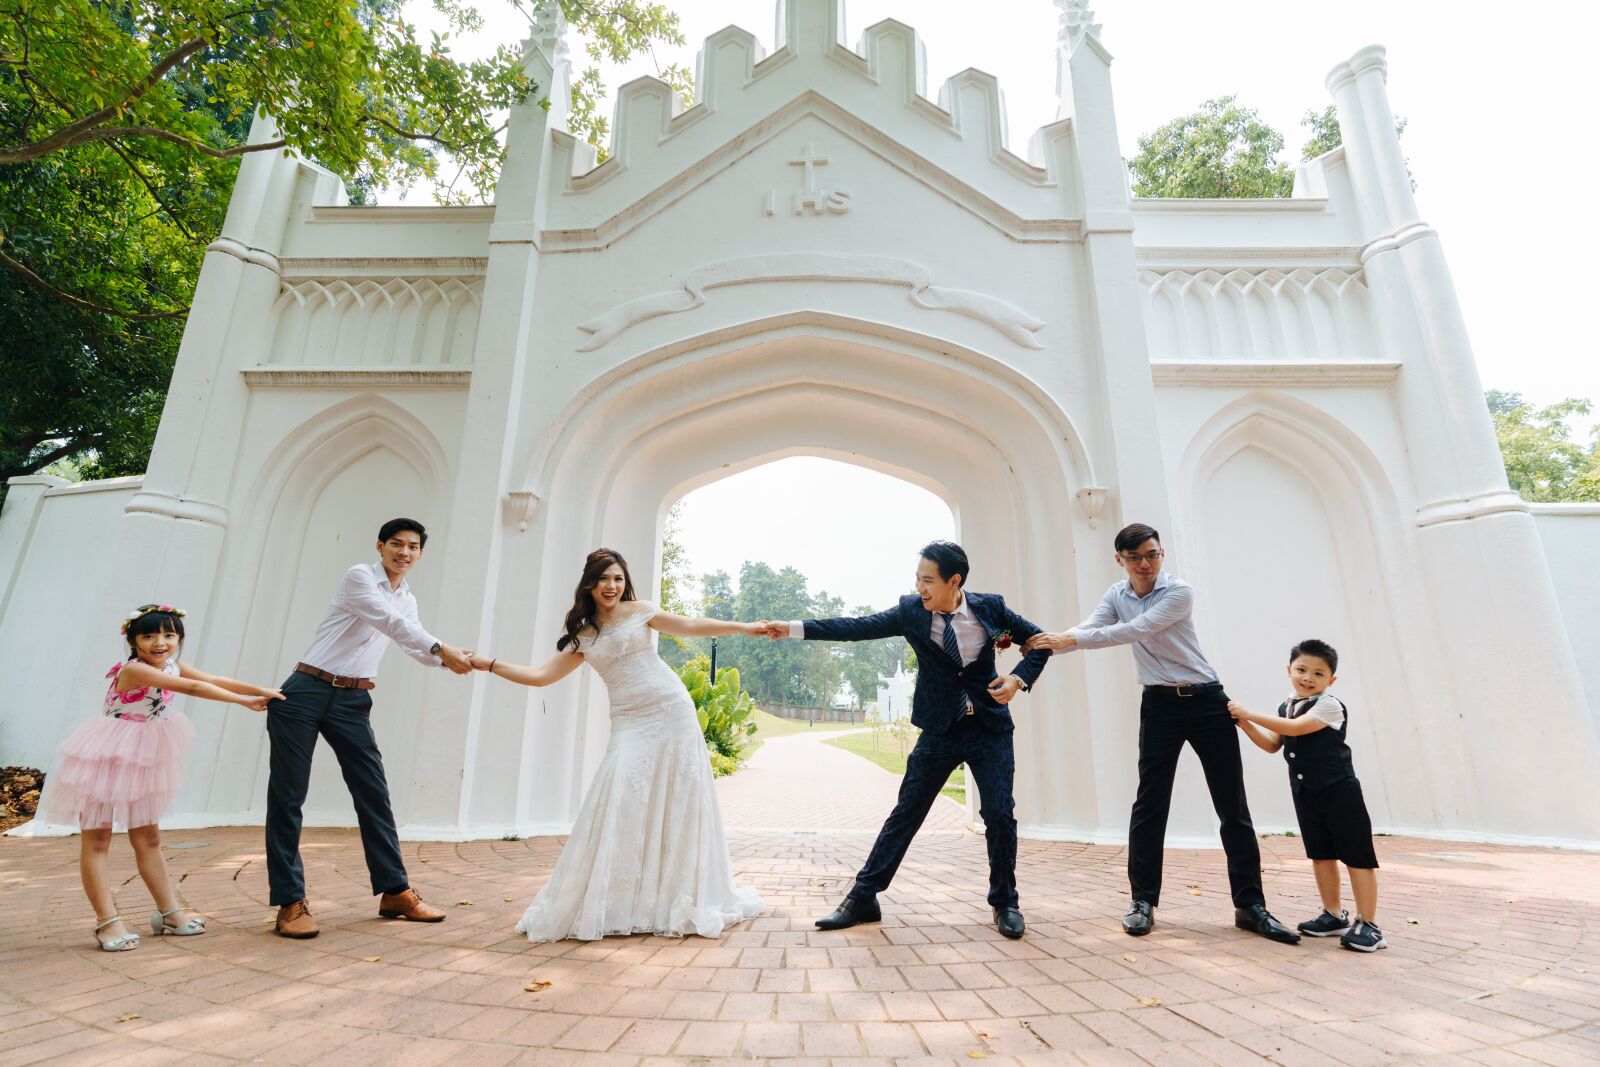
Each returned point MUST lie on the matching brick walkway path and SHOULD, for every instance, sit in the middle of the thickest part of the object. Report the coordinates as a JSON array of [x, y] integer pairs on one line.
[[1495, 959]]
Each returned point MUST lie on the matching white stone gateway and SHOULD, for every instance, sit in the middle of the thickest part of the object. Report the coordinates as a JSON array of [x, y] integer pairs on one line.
[[819, 258]]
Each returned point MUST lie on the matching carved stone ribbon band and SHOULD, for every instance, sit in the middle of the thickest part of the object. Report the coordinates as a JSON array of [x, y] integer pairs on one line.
[[1006, 317]]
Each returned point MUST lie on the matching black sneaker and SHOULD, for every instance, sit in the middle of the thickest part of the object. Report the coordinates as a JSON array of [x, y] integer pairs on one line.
[[1326, 925], [1364, 937]]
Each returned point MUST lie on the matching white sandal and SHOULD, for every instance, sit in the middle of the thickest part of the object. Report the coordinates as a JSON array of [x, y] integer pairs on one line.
[[158, 923], [122, 943]]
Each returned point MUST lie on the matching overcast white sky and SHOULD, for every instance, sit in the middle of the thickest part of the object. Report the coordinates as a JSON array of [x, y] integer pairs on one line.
[[1494, 94]]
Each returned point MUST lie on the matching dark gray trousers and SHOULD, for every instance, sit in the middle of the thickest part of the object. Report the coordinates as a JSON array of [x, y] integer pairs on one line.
[[313, 708]]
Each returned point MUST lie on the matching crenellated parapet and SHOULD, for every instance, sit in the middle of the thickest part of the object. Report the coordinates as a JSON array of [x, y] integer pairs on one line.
[[955, 138]]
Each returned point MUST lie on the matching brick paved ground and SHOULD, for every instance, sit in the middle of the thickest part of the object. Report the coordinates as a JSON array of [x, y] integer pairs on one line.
[[1500, 966]]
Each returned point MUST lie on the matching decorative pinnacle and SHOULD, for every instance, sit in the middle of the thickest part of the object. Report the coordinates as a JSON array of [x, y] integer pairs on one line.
[[1077, 22], [548, 33]]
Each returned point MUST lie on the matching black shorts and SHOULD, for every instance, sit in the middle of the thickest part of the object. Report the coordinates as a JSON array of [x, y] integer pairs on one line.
[[1335, 825]]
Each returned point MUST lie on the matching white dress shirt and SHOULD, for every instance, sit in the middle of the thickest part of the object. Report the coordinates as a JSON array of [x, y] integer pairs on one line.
[[1159, 626], [367, 611], [970, 634]]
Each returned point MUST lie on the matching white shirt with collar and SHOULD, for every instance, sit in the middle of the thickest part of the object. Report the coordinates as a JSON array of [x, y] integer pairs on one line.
[[367, 611]]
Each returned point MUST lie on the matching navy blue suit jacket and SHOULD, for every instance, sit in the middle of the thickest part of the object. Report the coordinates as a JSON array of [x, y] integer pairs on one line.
[[941, 681]]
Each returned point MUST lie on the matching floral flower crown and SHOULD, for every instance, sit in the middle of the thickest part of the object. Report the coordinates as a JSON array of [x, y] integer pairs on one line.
[[150, 609]]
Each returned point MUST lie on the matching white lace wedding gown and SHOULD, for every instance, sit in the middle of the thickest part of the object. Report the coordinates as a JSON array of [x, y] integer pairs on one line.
[[647, 853]]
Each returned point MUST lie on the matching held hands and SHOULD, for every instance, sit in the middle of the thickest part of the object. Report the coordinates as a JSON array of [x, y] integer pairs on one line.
[[775, 630], [456, 659], [1055, 642], [1004, 689], [479, 662]]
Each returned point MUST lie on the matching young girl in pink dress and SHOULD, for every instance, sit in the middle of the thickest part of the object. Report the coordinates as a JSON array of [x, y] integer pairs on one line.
[[121, 769]]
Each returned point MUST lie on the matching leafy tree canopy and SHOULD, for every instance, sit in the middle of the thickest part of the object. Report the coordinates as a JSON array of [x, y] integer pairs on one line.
[[1543, 462], [1221, 150]]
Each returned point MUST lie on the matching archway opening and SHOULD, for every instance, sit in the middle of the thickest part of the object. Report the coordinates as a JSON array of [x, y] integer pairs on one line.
[[803, 536]]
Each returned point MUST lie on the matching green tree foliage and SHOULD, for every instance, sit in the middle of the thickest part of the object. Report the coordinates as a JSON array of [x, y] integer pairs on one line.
[[1543, 462], [716, 595], [121, 128], [1221, 150], [726, 712], [866, 663]]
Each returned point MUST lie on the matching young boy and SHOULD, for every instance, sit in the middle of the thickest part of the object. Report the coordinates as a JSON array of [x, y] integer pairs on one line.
[[1310, 727]]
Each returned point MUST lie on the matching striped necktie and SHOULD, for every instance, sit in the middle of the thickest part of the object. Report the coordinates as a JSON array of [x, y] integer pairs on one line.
[[953, 650]]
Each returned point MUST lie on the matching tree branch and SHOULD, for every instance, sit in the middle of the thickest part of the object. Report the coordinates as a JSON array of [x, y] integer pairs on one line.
[[72, 133], [65, 449], [79, 302], [150, 187]]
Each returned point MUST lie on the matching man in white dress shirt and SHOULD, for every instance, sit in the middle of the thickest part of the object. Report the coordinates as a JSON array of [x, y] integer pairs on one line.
[[328, 695], [1183, 703]]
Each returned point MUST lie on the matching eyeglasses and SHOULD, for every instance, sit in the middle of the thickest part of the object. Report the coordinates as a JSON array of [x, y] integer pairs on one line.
[[1133, 559]]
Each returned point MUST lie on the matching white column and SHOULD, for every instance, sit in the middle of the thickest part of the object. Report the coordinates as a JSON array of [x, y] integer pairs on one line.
[[1503, 666], [472, 720]]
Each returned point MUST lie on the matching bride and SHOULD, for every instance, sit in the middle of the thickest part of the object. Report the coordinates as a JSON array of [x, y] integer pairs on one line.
[[647, 853]]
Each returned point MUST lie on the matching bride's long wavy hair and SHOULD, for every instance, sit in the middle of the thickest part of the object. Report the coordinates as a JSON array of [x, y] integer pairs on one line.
[[582, 613]]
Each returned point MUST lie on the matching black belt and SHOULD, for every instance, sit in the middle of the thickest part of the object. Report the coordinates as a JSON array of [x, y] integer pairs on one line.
[[1185, 690]]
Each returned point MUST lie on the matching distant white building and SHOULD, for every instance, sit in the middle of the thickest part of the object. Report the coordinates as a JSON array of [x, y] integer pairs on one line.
[[894, 695], [822, 257]]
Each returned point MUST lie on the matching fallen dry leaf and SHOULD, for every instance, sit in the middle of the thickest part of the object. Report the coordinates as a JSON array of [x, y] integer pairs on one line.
[[976, 1055], [1194, 892], [983, 1033], [1150, 1002], [508, 900], [370, 959], [537, 985], [1412, 921], [128, 1018], [1130, 957]]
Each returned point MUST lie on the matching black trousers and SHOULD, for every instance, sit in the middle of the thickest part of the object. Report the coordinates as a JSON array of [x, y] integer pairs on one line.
[[1166, 722], [313, 708], [989, 756]]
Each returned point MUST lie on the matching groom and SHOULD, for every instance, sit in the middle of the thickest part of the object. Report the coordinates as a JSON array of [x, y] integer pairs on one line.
[[960, 706]]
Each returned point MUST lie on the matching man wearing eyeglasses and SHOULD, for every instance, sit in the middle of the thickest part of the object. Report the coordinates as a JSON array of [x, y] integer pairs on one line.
[[1183, 702]]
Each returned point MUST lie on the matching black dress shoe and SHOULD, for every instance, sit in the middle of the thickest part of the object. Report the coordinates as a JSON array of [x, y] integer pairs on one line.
[[1009, 922], [1139, 921], [849, 913], [1257, 920]]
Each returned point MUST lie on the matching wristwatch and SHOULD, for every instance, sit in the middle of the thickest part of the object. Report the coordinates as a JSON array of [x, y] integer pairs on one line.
[[434, 651]]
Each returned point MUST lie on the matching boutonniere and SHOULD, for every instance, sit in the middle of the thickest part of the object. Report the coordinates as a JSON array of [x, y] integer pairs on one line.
[[1002, 640]]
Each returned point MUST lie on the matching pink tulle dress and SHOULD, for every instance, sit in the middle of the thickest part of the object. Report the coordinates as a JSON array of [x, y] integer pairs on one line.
[[123, 767]]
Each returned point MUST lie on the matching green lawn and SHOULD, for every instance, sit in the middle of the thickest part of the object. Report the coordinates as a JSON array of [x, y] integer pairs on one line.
[[768, 725], [882, 748]]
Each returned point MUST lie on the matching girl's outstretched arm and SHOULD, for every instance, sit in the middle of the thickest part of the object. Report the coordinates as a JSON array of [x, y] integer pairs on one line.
[[683, 626], [554, 670], [230, 684], [138, 675]]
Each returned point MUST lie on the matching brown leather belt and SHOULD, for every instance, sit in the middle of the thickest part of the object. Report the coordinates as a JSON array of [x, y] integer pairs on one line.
[[338, 681]]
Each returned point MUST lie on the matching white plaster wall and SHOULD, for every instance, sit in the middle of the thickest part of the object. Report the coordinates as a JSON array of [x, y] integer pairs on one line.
[[55, 619], [1571, 536]]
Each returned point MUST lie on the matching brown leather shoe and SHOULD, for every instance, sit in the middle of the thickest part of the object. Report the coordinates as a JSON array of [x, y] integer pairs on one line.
[[408, 906], [294, 920]]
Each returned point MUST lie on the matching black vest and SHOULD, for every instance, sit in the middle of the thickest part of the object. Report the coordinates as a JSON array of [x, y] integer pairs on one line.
[[1318, 759]]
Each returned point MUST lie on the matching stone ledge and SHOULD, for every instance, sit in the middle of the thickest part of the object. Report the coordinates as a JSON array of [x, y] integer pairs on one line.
[[1272, 371], [435, 377]]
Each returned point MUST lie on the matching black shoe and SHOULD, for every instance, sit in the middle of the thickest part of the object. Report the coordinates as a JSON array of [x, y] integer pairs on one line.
[[1257, 920], [1009, 922], [849, 913], [1364, 937], [1326, 925], [1139, 921]]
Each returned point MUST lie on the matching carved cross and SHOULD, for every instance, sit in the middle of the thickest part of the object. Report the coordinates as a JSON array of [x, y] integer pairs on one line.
[[808, 159]]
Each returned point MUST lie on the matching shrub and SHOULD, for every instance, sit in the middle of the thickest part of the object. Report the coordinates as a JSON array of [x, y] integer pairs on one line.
[[726, 712]]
